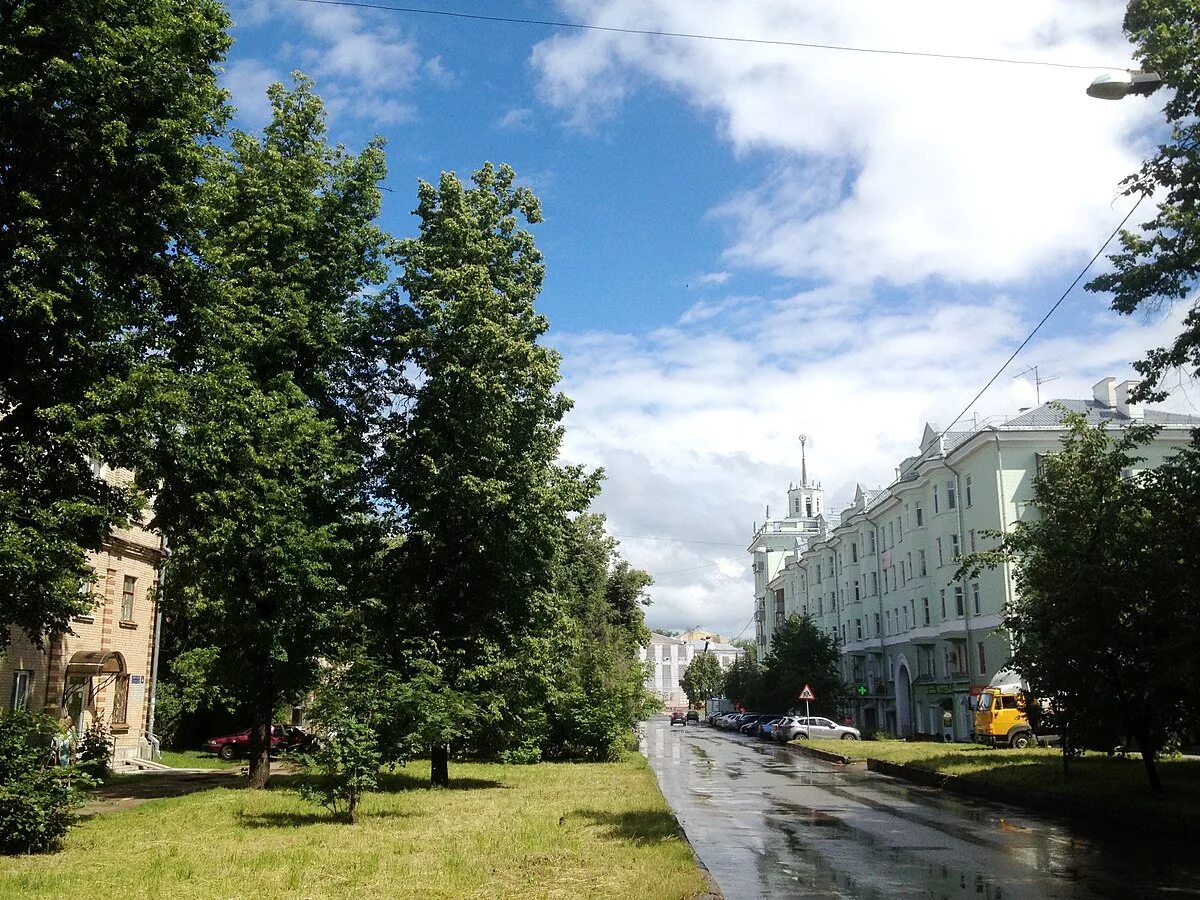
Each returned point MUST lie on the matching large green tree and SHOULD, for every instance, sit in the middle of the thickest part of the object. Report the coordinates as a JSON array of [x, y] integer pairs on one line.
[[801, 654], [703, 678], [1160, 263], [105, 108], [472, 459], [259, 408], [1103, 619]]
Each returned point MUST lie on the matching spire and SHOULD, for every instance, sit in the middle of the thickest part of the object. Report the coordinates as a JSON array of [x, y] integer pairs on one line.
[[803, 463]]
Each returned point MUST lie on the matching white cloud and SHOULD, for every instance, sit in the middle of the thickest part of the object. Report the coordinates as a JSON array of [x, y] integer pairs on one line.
[[887, 167], [247, 81], [517, 118], [364, 69], [696, 425]]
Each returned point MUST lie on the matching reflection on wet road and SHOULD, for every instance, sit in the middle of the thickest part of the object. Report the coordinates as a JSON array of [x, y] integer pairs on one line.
[[768, 822]]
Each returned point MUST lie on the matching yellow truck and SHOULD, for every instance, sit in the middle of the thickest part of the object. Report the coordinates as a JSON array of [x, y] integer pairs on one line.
[[1000, 719]]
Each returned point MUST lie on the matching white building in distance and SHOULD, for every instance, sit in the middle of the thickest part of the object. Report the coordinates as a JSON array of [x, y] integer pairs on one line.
[[668, 658]]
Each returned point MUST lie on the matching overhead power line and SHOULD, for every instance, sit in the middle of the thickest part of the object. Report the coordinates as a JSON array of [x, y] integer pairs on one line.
[[696, 36], [642, 537]]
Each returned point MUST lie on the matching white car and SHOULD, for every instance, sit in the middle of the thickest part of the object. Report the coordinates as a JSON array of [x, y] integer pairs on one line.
[[820, 727]]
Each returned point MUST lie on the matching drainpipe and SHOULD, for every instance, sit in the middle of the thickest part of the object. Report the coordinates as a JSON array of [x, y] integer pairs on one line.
[[962, 545], [1003, 521], [151, 738]]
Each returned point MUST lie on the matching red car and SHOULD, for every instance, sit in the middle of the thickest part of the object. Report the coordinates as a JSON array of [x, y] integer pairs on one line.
[[283, 737]]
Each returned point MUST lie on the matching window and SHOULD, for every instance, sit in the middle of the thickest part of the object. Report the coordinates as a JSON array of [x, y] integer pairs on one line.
[[920, 516], [950, 495], [874, 583], [925, 608], [843, 632], [888, 615], [943, 595], [900, 530], [891, 534], [127, 599], [876, 624], [902, 579], [906, 618], [858, 627], [971, 538], [935, 500], [975, 604], [921, 561], [967, 491], [853, 552], [871, 542], [958, 600], [818, 573], [982, 660], [20, 690], [911, 572], [120, 699], [797, 506], [941, 561], [954, 549], [857, 593]]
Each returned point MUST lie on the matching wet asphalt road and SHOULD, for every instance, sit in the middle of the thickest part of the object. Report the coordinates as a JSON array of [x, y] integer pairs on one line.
[[769, 822]]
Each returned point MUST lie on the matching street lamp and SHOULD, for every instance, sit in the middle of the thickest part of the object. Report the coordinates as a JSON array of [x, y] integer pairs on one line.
[[1115, 85]]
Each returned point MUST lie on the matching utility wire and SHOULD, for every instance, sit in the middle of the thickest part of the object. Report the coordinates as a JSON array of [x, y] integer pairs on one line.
[[1049, 313], [640, 537], [808, 45]]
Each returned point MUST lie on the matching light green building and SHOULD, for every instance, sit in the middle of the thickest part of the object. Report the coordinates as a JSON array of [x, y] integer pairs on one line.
[[914, 640]]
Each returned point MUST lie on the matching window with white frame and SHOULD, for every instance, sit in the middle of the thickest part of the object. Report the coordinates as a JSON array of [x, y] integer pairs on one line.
[[938, 544], [967, 491], [954, 548], [925, 608], [921, 562], [958, 601], [127, 598], [942, 594], [935, 500], [920, 515], [19, 699], [975, 601], [951, 499]]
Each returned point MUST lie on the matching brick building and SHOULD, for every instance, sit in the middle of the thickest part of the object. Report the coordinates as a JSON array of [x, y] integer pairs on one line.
[[103, 667]]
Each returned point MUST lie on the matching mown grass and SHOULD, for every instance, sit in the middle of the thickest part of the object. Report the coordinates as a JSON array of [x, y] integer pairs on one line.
[[198, 759], [1117, 785], [550, 830]]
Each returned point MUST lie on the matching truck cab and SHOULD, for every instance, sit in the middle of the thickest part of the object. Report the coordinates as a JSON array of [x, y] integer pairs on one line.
[[1000, 719]]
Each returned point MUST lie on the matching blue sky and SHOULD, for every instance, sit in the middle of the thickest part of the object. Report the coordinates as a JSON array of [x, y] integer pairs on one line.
[[746, 241]]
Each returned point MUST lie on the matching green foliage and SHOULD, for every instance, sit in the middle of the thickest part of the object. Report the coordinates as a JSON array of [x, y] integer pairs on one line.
[[103, 111], [1160, 263], [94, 757], [703, 678], [471, 463], [36, 799], [1104, 617], [800, 654], [345, 765], [258, 409]]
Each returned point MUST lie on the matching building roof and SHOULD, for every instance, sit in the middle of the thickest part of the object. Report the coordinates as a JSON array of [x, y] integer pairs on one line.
[[1048, 415]]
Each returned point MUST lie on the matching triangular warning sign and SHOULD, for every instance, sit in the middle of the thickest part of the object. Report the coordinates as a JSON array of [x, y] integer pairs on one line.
[[807, 694]]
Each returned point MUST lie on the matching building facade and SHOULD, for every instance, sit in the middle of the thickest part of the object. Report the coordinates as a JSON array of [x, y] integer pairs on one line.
[[916, 643], [102, 668], [668, 658]]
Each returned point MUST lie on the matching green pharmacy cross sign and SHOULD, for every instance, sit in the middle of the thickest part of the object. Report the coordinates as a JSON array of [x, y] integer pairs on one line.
[[861, 690]]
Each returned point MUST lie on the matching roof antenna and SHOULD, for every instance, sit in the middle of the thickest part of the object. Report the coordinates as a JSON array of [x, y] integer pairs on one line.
[[1037, 381], [803, 463]]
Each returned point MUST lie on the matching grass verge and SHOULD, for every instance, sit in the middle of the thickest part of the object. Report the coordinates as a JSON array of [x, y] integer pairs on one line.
[[198, 759], [550, 830], [1096, 783]]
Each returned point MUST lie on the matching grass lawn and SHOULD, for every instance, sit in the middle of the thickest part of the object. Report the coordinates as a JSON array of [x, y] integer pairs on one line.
[[198, 759], [1118, 784], [550, 830]]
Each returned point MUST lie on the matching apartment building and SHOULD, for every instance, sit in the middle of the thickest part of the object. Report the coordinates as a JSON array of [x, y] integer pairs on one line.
[[917, 643], [668, 658]]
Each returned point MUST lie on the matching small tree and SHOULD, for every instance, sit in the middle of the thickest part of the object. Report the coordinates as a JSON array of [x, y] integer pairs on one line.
[[345, 765], [744, 681], [702, 679], [802, 654]]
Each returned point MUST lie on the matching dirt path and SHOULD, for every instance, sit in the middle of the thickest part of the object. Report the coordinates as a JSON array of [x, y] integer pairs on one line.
[[133, 790]]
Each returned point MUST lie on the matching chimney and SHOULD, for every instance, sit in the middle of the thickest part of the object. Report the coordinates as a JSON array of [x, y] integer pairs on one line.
[[1133, 410], [1105, 392]]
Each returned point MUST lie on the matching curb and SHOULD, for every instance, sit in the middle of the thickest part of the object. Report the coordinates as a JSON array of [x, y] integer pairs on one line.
[[824, 755]]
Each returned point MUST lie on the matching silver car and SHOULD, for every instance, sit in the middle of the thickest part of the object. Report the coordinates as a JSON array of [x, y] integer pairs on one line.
[[820, 727]]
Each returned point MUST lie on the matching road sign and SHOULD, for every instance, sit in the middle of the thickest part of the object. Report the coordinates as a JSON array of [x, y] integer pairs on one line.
[[807, 694]]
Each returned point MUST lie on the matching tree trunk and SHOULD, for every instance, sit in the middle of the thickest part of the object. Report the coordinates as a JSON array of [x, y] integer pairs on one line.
[[439, 765], [260, 750], [1149, 752], [351, 803]]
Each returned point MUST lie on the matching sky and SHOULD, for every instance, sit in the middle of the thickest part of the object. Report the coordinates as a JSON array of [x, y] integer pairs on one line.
[[747, 241]]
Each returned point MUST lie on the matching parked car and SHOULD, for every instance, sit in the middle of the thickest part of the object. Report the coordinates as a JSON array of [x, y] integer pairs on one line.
[[693, 716], [786, 729], [678, 718], [766, 727], [283, 737], [820, 727], [750, 726]]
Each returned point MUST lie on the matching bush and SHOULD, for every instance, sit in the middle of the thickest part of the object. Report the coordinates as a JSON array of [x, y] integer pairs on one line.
[[96, 750], [344, 767], [36, 798]]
